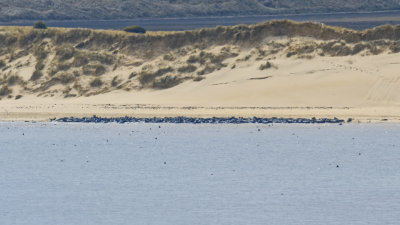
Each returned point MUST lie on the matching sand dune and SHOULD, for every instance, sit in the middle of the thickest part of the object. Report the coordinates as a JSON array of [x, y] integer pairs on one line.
[[278, 68]]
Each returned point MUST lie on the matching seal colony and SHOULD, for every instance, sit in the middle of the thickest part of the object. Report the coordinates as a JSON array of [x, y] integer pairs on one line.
[[213, 120], [273, 69]]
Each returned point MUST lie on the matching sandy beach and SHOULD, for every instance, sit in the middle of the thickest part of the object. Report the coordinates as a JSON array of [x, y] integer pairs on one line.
[[362, 88]]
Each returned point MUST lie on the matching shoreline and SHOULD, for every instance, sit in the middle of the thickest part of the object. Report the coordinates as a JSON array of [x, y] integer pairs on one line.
[[45, 112]]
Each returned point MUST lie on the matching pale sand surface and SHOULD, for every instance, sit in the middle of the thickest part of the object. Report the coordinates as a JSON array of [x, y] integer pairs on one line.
[[365, 88]]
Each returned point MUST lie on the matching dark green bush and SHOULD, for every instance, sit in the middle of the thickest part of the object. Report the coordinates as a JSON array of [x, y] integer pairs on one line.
[[135, 29], [267, 65], [187, 69], [66, 78], [39, 65], [94, 69], [63, 66], [115, 81], [13, 80], [40, 25], [80, 60], [36, 75], [198, 78], [209, 68], [5, 91], [169, 57], [192, 59], [166, 82], [96, 83], [2, 64], [146, 77]]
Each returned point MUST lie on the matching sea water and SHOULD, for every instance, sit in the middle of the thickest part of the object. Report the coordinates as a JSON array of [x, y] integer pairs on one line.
[[353, 20], [84, 174]]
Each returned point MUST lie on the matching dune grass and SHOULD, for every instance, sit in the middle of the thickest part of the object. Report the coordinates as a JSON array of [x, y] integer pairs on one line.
[[108, 60]]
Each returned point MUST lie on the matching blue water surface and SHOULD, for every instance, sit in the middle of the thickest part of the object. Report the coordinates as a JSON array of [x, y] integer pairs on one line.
[[84, 174]]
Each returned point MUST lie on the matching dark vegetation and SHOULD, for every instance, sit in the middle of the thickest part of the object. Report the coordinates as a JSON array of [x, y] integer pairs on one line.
[[198, 78], [165, 82], [36, 75], [135, 29], [4, 91], [94, 69], [13, 80], [115, 81], [39, 25], [146, 77], [187, 69], [266, 65], [66, 78], [2, 64], [97, 82], [65, 52]]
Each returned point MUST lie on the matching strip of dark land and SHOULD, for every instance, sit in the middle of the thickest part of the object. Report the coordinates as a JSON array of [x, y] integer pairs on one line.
[[213, 120], [355, 20]]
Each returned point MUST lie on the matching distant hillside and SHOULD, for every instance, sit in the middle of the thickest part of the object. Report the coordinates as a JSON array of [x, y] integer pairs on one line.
[[120, 9]]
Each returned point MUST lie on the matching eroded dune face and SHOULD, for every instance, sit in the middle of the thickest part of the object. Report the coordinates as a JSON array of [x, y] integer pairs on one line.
[[82, 62]]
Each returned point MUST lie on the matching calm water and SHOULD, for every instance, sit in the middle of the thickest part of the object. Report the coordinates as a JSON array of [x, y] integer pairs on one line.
[[349, 20], [84, 174]]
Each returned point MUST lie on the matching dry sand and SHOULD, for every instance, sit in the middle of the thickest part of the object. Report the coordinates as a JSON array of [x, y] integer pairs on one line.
[[361, 87], [315, 71]]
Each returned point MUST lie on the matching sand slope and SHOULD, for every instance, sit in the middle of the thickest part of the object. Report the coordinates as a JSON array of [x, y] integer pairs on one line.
[[276, 76], [365, 88]]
